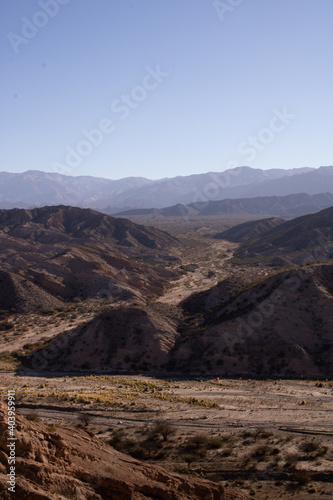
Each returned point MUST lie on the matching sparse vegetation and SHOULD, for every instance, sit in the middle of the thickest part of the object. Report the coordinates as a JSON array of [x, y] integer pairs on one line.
[[204, 427], [184, 448], [85, 419], [33, 417], [302, 477]]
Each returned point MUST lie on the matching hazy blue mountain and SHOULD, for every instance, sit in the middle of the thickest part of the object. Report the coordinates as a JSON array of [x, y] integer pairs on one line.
[[36, 188], [312, 182], [234, 183]]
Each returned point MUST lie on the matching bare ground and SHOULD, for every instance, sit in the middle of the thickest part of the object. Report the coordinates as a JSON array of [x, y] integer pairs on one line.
[[244, 414], [278, 416]]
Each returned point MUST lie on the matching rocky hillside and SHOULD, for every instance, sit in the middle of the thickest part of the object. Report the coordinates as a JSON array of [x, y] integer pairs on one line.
[[125, 339], [304, 239], [64, 223], [20, 294], [292, 205], [70, 463], [249, 230], [280, 326], [52, 254]]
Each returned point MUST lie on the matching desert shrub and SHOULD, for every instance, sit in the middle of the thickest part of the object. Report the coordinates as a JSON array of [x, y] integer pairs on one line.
[[200, 444], [215, 443], [33, 417], [302, 477], [43, 385], [152, 446], [19, 397], [163, 428], [49, 312], [8, 358], [309, 447], [322, 451], [248, 434], [197, 441], [291, 460], [189, 458], [263, 434], [261, 452], [117, 440], [85, 419]]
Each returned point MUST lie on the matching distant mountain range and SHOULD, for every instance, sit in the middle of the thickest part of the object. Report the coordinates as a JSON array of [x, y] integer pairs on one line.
[[291, 205], [36, 188]]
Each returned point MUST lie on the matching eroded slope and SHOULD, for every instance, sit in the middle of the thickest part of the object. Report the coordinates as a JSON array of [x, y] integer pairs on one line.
[[71, 463]]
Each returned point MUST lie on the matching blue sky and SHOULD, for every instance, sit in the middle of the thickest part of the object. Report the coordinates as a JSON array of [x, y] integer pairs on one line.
[[160, 88]]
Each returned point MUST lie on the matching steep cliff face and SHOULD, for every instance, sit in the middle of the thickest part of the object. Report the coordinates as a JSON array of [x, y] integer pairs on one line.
[[71, 463]]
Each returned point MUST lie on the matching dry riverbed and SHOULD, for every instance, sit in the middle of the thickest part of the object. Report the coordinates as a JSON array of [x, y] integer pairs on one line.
[[273, 438]]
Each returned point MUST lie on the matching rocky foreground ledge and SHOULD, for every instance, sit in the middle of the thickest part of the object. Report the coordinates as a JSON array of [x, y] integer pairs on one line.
[[71, 463]]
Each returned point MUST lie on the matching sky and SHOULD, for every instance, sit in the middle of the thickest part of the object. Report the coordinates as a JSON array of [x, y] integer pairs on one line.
[[161, 88]]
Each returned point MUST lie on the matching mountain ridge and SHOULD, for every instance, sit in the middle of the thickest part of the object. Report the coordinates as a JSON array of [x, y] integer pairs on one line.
[[278, 206], [36, 188], [304, 239], [54, 254]]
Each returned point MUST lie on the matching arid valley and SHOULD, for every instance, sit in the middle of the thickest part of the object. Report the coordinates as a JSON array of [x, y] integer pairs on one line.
[[171, 368]]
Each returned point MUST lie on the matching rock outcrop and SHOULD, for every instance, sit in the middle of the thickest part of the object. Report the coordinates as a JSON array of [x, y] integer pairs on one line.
[[71, 463]]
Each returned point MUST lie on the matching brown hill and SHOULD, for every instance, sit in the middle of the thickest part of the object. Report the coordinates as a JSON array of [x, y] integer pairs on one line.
[[125, 339], [280, 326], [63, 223], [68, 252], [304, 239], [22, 295], [71, 463], [248, 230]]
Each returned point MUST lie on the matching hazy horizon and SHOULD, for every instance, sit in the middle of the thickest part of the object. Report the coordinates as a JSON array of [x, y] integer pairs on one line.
[[159, 178]]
